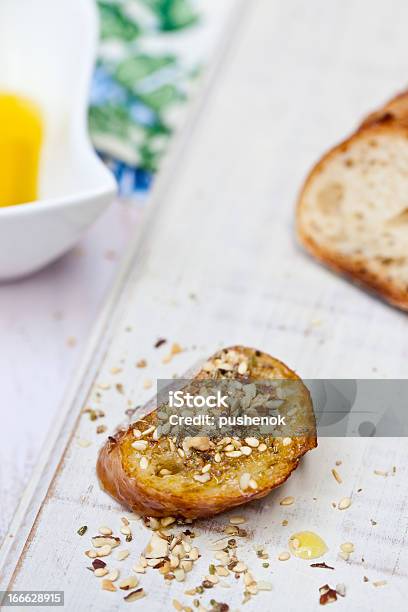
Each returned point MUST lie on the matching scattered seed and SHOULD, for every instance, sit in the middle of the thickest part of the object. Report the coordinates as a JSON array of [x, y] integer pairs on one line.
[[82, 530], [252, 442], [122, 554], [98, 563], [380, 473], [379, 583], [287, 501], [92, 554], [125, 530], [284, 556], [99, 541], [179, 574], [262, 448], [140, 445], [337, 476], [134, 595], [142, 363], [244, 481], [237, 520], [144, 464], [108, 585], [327, 595], [128, 583], [147, 383], [105, 530], [344, 503]]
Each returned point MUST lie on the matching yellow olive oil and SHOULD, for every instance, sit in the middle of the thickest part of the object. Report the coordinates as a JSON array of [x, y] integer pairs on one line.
[[307, 545], [21, 135]]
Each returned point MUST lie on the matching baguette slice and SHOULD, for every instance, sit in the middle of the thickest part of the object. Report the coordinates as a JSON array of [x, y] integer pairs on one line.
[[232, 481], [395, 109], [353, 210]]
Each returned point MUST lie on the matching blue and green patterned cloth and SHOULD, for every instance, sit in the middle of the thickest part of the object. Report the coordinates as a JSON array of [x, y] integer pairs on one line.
[[148, 62]]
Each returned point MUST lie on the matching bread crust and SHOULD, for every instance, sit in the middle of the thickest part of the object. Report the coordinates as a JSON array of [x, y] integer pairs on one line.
[[395, 109], [353, 269], [193, 502]]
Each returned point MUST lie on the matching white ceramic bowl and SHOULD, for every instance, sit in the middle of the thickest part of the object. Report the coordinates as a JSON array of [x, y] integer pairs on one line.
[[47, 53]]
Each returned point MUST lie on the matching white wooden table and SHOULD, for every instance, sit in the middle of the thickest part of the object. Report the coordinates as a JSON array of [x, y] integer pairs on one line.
[[220, 226], [44, 325]]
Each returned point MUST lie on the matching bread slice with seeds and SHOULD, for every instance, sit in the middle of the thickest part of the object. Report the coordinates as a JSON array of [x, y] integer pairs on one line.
[[198, 476], [353, 210]]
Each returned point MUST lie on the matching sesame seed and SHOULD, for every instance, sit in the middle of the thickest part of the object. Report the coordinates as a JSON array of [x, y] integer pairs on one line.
[[237, 520], [246, 450], [286, 441], [105, 530], [122, 554], [287, 501], [284, 556], [148, 431], [140, 445], [143, 463], [128, 583], [108, 585], [125, 530], [234, 454], [379, 583], [252, 442], [337, 476], [244, 481], [206, 468], [239, 567], [347, 547], [344, 503], [202, 477], [262, 448], [168, 520]]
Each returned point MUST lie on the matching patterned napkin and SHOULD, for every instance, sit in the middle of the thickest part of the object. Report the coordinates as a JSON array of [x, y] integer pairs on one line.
[[151, 52]]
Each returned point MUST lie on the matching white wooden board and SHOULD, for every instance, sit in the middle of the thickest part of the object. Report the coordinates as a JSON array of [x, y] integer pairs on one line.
[[295, 77]]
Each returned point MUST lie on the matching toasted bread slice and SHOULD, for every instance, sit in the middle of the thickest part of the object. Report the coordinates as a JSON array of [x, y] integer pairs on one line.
[[395, 109], [161, 479], [353, 210]]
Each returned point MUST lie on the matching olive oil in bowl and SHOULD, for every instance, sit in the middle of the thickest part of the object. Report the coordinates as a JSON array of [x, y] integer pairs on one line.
[[21, 135]]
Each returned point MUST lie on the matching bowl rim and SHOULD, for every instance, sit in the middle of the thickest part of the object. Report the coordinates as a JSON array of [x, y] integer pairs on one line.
[[38, 206]]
